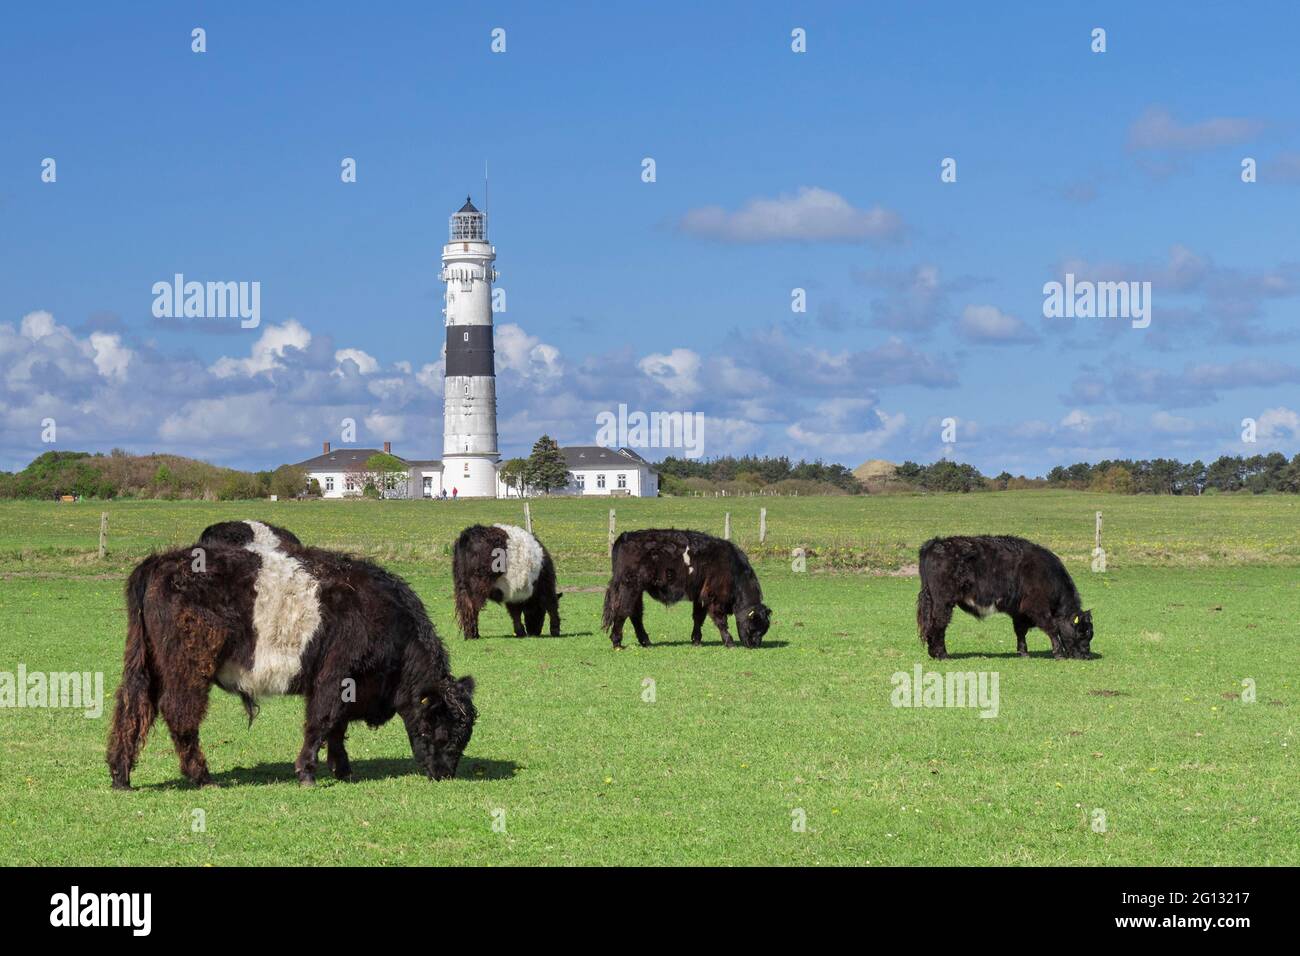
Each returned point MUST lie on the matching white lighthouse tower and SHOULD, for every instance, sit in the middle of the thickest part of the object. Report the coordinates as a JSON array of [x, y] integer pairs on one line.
[[469, 435]]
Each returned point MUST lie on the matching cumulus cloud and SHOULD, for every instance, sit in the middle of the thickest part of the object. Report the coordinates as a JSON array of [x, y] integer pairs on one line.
[[366, 364], [1156, 129], [989, 324], [266, 352], [1278, 423], [676, 372], [811, 214]]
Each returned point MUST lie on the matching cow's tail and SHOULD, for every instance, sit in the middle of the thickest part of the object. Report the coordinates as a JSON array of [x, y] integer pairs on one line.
[[924, 603], [136, 704], [608, 615]]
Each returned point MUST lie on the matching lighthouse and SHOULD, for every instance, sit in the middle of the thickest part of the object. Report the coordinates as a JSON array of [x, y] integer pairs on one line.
[[469, 435]]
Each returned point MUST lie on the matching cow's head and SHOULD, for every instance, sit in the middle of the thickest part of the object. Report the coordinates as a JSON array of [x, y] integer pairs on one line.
[[752, 623], [1076, 635], [440, 727]]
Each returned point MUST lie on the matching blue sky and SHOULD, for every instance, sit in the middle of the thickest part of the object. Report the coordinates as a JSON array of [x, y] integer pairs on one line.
[[775, 170]]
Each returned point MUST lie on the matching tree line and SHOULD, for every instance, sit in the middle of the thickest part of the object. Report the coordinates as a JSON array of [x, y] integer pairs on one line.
[[121, 475]]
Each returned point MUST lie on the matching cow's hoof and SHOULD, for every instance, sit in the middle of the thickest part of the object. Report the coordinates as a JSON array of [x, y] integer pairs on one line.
[[121, 786], [1023, 653], [305, 780]]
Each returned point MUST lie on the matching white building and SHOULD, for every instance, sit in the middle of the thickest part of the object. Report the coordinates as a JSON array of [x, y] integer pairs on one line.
[[594, 470]]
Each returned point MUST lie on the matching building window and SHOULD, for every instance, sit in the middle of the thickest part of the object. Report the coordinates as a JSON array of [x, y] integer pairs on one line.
[[329, 483], [600, 481], [349, 484], [580, 480], [622, 481], [467, 467]]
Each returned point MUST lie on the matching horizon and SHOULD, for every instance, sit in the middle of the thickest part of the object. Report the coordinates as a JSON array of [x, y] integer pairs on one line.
[[926, 332]]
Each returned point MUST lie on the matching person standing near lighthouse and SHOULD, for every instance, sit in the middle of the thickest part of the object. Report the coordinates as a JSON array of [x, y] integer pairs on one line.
[[470, 457]]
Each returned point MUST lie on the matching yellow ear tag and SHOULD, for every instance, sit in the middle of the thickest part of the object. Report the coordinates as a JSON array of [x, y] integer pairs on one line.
[[1076, 619], [751, 613], [425, 700]]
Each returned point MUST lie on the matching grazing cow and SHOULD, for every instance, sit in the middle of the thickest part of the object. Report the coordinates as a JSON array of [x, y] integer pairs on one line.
[[350, 637], [510, 566], [244, 533], [991, 573], [672, 566]]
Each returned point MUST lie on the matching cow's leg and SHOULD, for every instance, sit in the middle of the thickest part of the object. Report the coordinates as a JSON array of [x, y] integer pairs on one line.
[[183, 707], [324, 712], [936, 628], [534, 616], [638, 624], [553, 614], [1022, 625], [337, 754], [515, 620], [720, 619], [698, 614]]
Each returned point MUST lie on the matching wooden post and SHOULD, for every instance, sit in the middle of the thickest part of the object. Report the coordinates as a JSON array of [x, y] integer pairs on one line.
[[726, 527], [611, 532], [528, 519], [1098, 538], [762, 525], [103, 534]]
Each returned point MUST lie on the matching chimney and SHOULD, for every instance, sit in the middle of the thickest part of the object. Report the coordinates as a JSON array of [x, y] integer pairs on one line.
[[388, 448], [325, 448]]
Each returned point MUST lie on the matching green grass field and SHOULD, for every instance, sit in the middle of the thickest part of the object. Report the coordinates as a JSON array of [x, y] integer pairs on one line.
[[1158, 733]]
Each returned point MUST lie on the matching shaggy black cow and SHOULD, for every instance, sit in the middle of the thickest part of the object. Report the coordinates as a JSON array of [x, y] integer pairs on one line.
[[991, 573], [673, 566], [244, 533], [510, 566], [351, 638]]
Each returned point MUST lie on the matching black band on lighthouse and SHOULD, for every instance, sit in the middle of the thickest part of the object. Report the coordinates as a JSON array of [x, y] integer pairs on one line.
[[469, 350]]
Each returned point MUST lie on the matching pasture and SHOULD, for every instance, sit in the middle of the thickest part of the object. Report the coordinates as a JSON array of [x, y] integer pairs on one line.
[[1153, 753]]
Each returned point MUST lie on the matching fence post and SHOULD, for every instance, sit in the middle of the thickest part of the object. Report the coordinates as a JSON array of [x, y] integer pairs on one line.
[[1098, 536], [726, 527], [528, 519], [103, 534], [762, 525], [611, 532]]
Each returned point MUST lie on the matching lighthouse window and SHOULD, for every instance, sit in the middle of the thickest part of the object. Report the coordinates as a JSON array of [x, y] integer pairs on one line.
[[467, 390], [600, 481], [466, 469], [467, 336]]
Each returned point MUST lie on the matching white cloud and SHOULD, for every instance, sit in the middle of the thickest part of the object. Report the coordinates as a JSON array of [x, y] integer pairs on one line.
[[1281, 422], [366, 363], [37, 325], [676, 372], [111, 357], [1157, 129], [988, 323], [810, 215], [266, 351]]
